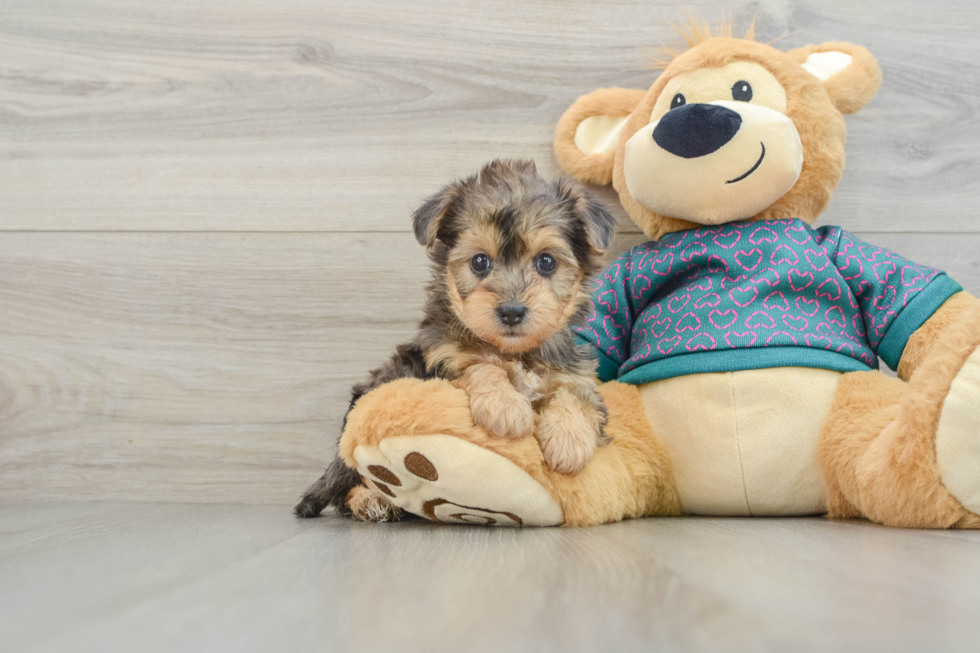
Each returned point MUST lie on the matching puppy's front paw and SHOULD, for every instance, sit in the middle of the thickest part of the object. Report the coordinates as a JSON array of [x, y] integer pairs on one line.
[[568, 432], [501, 413], [367, 505]]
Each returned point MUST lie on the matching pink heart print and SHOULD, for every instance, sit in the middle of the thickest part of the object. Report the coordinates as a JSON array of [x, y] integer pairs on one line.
[[727, 239], [829, 289], [701, 342], [797, 233], [736, 340], [678, 303], [806, 306], [663, 264], [722, 319], [800, 280], [660, 327], [796, 322], [711, 299], [688, 322], [763, 234], [743, 296], [760, 319], [693, 250], [784, 254], [749, 260], [776, 301], [669, 344], [789, 336], [817, 258]]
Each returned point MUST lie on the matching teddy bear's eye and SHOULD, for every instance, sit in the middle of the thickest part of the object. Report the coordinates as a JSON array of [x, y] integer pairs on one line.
[[678, 101], [742, 91]]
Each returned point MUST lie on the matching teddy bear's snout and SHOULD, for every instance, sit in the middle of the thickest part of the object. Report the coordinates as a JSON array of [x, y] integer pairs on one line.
[[695, 130]]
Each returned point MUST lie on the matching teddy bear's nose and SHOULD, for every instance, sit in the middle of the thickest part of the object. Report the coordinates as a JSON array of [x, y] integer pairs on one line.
[[694, 130]]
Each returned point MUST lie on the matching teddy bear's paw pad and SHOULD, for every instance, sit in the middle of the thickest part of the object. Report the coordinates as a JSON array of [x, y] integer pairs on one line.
[[446, 479], [958, 436]]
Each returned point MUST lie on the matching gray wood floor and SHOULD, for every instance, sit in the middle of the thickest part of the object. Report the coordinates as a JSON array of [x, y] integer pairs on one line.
[[157, 577]]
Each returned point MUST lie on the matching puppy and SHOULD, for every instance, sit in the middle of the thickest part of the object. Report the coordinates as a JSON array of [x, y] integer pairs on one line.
[[511, 258]]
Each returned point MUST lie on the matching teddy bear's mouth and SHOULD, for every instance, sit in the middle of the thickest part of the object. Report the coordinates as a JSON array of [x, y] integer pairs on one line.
[[753, 168]]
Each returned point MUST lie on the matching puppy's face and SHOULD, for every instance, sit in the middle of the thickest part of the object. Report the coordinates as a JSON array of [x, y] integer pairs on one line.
[[516, 251], [513, 278]]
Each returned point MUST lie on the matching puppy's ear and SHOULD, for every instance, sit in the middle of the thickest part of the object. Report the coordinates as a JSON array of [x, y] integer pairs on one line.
[[849, 72], [426, 219], [600, 225]]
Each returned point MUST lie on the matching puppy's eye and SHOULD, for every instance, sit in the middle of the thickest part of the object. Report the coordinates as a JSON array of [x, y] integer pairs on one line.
[[678, 101], [545, 265], [480, 264], [742, 91]]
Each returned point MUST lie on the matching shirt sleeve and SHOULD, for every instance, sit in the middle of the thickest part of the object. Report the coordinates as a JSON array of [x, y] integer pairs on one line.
[[609, 324], [894, 295]]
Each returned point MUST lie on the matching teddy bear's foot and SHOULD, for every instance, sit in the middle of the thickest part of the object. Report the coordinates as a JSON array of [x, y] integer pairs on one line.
[[958, 436], [446, 479]]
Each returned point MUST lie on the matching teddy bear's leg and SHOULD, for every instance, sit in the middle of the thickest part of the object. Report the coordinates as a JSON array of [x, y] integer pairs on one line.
[[415, 442], [908, 453]]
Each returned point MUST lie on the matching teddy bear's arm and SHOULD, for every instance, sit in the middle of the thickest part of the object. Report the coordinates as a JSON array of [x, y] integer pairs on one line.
[[893, 296], [925, 337]]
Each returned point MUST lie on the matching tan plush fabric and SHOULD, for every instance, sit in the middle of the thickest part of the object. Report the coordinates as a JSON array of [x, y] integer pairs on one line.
[[921, 342], [598, 134], [595, 167], [701, 189], [631, 477], [744, 443], [854, 86], [813, 106], [958, 436], [878, 446]]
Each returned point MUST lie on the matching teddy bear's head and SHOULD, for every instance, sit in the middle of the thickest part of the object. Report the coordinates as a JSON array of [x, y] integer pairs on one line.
[[731, 130]]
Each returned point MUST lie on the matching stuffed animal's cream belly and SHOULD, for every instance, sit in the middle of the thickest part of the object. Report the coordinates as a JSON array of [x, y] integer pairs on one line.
[[744, 443]]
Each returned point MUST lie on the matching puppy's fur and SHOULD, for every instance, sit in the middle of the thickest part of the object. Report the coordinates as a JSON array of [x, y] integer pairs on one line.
[[511, 256]]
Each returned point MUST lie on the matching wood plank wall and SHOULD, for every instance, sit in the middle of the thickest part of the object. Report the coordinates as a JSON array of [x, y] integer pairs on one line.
[[204, 234]]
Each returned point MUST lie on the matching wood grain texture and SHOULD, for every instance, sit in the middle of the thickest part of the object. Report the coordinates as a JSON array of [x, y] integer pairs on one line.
[[312, 115], [214, 367], [119, 577], [204, 206]]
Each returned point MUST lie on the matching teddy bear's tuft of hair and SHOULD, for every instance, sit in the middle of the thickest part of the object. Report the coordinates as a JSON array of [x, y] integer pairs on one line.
[[700, 31]]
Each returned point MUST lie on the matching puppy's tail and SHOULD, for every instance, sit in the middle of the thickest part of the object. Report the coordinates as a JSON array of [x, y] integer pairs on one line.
[[330, 490]]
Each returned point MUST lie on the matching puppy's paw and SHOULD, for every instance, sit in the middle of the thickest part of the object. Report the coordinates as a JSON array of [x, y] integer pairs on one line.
[[368, 505], [503, 413], [568, 432]]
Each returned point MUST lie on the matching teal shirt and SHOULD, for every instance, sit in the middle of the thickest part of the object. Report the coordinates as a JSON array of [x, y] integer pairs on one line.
[[752, 295]]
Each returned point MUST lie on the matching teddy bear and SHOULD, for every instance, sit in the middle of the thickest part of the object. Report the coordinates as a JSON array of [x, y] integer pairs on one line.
[[739, 347]]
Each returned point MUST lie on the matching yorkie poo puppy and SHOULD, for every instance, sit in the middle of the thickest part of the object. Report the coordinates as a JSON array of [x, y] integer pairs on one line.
[[512, 256]]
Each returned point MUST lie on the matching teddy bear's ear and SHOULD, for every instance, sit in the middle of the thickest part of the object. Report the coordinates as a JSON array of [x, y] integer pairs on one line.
[[849, 72], [588, 132]]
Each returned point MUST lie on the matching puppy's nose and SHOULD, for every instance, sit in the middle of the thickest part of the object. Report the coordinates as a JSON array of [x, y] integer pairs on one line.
[[695, 130], [511, 314]]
